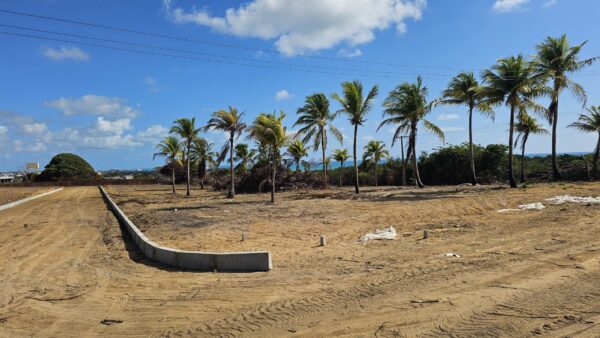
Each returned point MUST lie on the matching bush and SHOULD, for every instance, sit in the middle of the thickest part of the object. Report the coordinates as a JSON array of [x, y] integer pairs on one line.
[[67, 167]]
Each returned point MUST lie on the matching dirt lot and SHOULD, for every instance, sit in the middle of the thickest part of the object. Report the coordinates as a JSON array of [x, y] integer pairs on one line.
[[65, 269], [12, 194]]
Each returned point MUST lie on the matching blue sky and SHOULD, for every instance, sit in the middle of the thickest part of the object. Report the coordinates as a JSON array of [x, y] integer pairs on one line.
[[112, 106]]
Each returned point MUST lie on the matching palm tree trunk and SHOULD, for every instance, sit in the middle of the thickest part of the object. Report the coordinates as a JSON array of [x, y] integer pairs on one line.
[[273, 179], [472, 153], [554, 113], [187, 158], [414, 156], [323, 150], [173, 175], [375, 172], [403, 162], [596, 158], [523, 158], [356, 188], [297, 165], [511, 175], [231, 171], [341, 171]]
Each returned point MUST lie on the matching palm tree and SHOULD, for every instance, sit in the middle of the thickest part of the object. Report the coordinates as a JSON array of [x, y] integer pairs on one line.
[[341, 155], [526, 126], [186, 129], [297, 151], [245, 156], [316, 118], [406, 107], [170, 148], [356, 107], [268, 129], [373, 152], [231, 123], [464, 89], [591, 124], [201, 154], [556, 59], [513, 82]]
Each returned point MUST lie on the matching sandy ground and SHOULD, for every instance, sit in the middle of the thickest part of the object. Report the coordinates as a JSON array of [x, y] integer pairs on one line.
[[66, 270], [11, 194]]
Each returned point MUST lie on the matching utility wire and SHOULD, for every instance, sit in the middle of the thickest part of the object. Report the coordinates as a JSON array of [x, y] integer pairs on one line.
[[214, 43], [213, 55]]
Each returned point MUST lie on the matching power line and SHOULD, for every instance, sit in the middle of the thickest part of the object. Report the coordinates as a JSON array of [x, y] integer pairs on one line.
[[178, 56], [214, 43], [211, 54]]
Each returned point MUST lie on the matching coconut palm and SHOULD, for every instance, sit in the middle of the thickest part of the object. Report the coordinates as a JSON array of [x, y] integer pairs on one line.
[[591, 124], [356, 107], [186, 129], [245, 157], [201, 154], [269, 130], [170, 148], [297, 150], [513, 82], [316, 119], [306, 165], [556, 59], [406, 106], [373, 152], [465, 90], [230, 122], [341, 155], [526, 126]]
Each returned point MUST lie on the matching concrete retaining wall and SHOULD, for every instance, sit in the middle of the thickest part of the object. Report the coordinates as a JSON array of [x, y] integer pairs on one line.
[[15, 203], [205, 261]]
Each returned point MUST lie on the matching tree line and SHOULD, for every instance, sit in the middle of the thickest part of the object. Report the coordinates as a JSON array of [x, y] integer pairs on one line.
[[516, 82]]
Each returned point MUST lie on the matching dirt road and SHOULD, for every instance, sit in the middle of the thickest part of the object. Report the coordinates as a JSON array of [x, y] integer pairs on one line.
[[65, 270]]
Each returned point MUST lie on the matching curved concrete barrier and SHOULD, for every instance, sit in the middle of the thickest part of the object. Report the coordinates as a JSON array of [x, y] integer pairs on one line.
[[15, 203], [205, 261]]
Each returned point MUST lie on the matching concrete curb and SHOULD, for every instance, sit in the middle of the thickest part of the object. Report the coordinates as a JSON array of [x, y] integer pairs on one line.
[[15, 203], [194, 260]]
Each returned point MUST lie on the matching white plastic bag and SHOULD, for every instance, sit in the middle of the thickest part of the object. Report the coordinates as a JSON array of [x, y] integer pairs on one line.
[[389, 233]]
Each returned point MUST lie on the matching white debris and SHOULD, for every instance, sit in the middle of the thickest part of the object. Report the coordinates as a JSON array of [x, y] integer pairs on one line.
[[531, 206], [573, 199], [389, 233], [175, 210], [450, 254]]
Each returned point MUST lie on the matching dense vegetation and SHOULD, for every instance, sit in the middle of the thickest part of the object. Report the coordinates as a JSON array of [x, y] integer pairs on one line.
[[67, 167]]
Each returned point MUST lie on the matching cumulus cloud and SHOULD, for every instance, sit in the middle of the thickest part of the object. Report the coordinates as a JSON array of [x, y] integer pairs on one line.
[[3, 136], [37, 147], [34, 128], [94, 105], [452, 129], [66, 53], [283, 95], [350, 53], [153, 134], [504, 6], [308, 25], [446, 117], [112, 127]]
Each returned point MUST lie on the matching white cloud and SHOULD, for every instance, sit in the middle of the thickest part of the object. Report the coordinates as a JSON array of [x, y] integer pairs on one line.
[[350, 53], [307, 25], [94, 105], [452, 129], [18, 145], [112, 127], [3, 136], [34, 128], [550, 3], [153, 133], [504, 6], [283, 95], [446, 117], [66, 53], [36, 147], [151, 84]]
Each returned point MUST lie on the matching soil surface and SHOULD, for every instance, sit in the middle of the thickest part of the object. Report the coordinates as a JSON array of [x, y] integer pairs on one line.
[[67, 270], [11, 194]]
